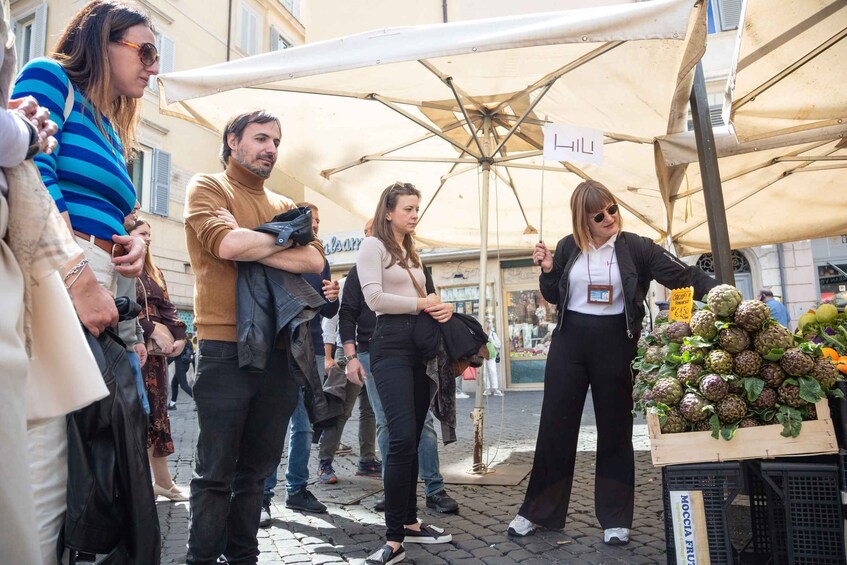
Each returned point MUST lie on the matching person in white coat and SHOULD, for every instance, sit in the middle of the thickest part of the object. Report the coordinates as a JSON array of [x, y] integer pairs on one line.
[[492, 375]]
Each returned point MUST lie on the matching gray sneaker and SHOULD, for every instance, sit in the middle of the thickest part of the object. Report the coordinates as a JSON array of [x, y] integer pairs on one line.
[[265, 515]]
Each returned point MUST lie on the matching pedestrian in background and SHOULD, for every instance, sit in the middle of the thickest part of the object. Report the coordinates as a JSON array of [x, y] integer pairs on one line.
[[163, 328], [598, 277], [778, 310], [181, 365]]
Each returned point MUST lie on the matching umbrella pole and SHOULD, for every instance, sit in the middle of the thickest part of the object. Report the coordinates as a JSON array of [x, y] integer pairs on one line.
[[477, 415]]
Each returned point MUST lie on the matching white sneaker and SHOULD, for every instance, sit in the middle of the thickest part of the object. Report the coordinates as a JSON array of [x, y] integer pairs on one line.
[[498, 392], [462, 394], [616, 536], [521, 527], [486, 392]]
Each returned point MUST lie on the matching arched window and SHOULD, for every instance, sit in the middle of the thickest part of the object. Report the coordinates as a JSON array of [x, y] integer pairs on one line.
[[740, 264]]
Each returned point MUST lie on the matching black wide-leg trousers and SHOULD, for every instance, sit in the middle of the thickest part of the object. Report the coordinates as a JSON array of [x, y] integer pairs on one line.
[[595, 351]]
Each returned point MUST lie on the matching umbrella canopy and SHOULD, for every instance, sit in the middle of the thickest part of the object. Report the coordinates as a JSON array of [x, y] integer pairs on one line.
[[431, 104], [789, 69], [777, 189], [784, 152]]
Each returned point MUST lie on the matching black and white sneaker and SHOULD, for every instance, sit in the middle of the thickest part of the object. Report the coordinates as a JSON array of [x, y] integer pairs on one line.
[[427, 534], [386, 556], [265, 515]]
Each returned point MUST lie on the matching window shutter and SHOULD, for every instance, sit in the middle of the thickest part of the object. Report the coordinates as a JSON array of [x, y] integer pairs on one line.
[[254, 34], [39, 32], [167, 59], [715, 115], [160, 183], [730, 14], [249, 31], [274, 43]]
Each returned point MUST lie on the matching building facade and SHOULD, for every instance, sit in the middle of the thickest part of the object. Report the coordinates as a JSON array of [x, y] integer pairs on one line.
[[189, 33]]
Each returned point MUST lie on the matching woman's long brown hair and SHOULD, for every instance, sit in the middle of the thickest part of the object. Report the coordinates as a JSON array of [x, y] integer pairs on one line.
[[382, 227], [83, 51]]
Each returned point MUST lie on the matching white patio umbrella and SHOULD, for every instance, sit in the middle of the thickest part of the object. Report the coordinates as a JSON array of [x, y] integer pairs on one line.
[[437, 105], [783, 158]]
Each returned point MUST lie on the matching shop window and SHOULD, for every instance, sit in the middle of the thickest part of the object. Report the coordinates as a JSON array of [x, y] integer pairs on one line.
[[466, 299], [531, 321], [832, 279]]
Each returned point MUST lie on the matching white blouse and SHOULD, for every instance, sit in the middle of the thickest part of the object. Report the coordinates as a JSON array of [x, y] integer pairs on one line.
[[599, 267]]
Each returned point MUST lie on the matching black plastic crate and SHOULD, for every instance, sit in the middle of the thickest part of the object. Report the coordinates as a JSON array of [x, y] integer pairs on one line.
[[804, 513], [720, 483], [760, 540]]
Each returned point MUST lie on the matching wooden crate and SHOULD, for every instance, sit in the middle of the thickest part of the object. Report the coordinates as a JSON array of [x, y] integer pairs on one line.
[[763, 442]]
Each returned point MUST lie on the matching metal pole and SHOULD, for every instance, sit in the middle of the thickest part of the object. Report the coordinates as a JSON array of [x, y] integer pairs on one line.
[[477, 415], [710, 174]]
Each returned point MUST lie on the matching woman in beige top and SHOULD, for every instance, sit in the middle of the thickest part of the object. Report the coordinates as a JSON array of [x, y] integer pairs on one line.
[[392, 278]]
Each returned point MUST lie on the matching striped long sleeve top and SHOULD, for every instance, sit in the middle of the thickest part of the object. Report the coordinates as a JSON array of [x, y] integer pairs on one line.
[[86, 174]]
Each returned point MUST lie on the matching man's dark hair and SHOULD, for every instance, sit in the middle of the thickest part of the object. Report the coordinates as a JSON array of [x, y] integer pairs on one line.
[[767, 292], [237, 125]]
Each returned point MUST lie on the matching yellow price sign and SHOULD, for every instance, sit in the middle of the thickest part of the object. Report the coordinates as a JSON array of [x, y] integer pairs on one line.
[[681, 304]]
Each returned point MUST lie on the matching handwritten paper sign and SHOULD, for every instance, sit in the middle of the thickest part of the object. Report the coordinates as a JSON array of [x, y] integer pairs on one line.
[[681, 304], [573, 144]]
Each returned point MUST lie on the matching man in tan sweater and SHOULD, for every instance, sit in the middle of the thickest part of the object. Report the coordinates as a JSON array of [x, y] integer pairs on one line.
[[242, 415]]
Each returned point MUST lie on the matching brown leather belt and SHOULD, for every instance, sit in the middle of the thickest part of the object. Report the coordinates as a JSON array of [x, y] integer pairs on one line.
[[110, 247]]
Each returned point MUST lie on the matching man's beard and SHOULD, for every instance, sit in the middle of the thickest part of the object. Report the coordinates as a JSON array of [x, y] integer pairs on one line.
[[256, 170]]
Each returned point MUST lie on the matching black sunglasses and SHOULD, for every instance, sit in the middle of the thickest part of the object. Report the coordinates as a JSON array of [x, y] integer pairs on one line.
[[147, 52], [612, 210]]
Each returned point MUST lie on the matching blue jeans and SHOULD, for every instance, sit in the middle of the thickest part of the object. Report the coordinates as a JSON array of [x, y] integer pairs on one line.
[[428, 464], [299, 444], [242, 417], [135, 363]]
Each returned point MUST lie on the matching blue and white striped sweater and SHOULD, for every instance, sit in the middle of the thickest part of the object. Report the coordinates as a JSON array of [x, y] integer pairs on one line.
[[86, 174]]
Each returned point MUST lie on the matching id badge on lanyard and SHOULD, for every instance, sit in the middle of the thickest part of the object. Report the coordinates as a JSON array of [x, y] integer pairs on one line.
[[599, 294]]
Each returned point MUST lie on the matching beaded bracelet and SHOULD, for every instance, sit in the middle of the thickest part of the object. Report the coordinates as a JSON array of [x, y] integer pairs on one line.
[[76, 269]]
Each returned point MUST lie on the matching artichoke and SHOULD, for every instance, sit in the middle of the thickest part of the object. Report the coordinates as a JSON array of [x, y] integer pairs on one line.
[[719, 361], [773, 336], [767, 399], [649, 377], [688, 373], [691, 407], [748, 423], [811, 412], [790, 394], [747, 364], [772, 374], [734, 339], [704, 426], [731, 408], [667, 391], [723, 300], [647, 396], [678, 331], [703, 324], [654, 355], [674, 422], [796, 363], [696, 353], [825, 372], [662, 317], [713, 387], [751, 315]]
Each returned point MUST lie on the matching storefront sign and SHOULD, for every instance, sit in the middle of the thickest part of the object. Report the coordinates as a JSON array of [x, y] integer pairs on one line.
[[681, 304], [335, 244], [573, 144], [689, 527]]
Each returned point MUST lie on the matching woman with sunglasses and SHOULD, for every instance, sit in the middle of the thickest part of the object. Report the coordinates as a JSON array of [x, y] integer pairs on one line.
[[92, 84], [598, 278]]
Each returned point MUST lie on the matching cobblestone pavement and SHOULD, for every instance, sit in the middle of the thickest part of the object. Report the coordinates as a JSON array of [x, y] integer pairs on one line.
[[351, 529]]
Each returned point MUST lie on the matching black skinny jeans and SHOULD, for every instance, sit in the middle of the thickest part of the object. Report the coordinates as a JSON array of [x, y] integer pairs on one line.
[[400, 376], [596, 351], [243, 418], [180, 379]]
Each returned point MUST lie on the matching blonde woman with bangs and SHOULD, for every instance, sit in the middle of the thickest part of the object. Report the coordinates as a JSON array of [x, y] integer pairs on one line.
[[598, 277], [157, 311]]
